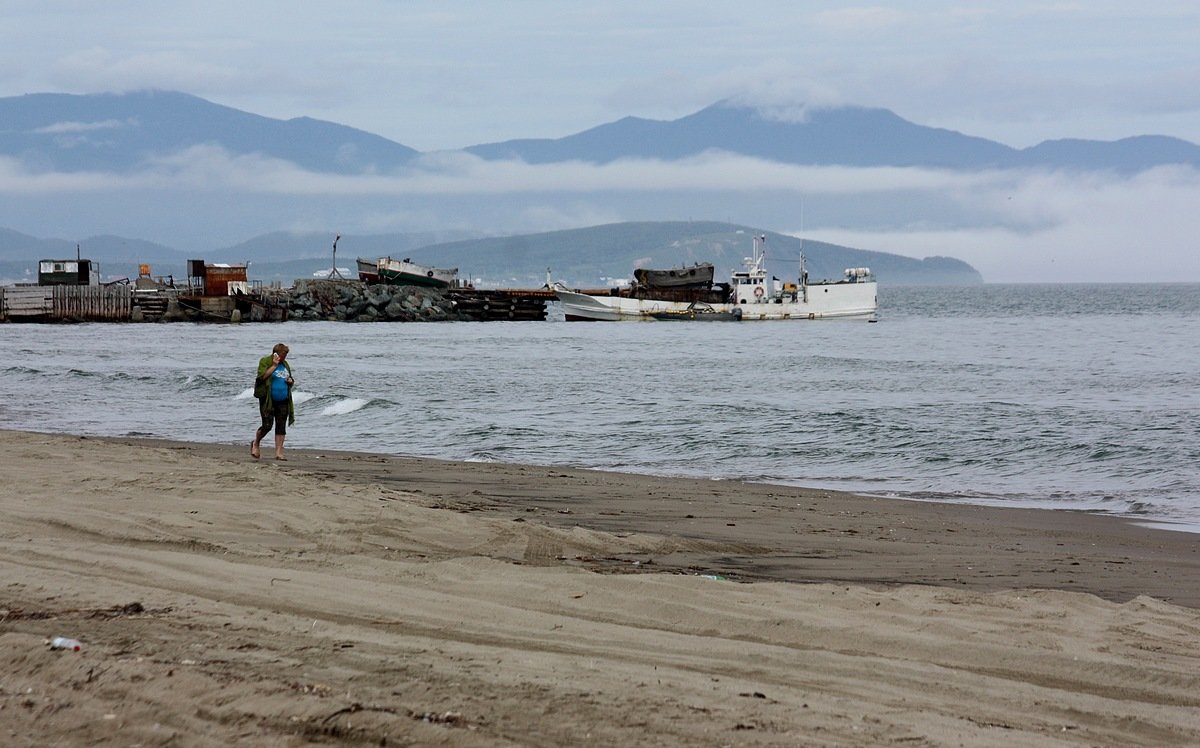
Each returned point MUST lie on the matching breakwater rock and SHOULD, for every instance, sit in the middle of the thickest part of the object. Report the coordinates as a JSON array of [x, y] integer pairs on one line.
[[352, 301]]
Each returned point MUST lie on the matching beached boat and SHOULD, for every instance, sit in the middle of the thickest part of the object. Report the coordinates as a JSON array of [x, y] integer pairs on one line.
[[408, 273], [699, 275], [750, 292], [368, 271]]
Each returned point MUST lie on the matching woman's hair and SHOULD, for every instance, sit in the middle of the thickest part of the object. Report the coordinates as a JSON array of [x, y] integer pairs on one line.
[[280, 348]]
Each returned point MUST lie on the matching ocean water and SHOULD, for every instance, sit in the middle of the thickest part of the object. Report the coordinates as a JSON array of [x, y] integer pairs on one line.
[[1064, 396]]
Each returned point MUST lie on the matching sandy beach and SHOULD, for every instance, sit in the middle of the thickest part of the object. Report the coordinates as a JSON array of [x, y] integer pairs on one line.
[[342, 598]]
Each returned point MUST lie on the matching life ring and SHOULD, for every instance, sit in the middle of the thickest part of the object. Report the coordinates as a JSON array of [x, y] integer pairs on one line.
[[758, 291], [428, 273]]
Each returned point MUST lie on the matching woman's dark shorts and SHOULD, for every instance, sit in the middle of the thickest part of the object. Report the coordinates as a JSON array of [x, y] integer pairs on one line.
[[278, 414]]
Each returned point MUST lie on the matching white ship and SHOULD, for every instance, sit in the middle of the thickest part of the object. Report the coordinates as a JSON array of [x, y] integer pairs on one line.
[[750, 295]]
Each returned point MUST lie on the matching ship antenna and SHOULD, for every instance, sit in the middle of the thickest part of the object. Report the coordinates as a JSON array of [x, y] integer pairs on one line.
[[801, 233]]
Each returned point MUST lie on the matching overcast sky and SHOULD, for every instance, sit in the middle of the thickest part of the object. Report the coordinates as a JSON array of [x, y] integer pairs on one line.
[[444, 74], [436, 74]]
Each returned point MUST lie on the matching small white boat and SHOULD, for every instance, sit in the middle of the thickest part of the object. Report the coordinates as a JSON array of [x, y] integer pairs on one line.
[[750, 293]]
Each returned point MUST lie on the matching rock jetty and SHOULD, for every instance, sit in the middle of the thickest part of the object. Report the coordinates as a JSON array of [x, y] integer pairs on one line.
[[351, 301]]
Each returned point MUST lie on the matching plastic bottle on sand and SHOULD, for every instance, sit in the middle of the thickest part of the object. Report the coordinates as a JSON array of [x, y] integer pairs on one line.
[[61, 642]]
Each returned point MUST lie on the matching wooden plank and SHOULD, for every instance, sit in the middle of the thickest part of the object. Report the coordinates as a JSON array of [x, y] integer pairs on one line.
[[28, 301]]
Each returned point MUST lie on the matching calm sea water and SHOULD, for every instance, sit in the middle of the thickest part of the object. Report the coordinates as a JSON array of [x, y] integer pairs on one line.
[[1063, 396]]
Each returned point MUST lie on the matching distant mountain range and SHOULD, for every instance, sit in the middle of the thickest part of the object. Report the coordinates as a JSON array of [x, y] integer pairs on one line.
[[614, 250], [120, 132], [587, 257], [846, 136]]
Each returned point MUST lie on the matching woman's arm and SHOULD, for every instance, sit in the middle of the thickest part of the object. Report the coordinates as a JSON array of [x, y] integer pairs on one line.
[[265, 371]]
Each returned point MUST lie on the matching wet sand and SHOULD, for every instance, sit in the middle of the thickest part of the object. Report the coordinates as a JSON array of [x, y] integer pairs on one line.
[[342, 597]]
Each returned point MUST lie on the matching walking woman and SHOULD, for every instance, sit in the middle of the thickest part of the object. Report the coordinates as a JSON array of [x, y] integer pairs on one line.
[[273, 388]]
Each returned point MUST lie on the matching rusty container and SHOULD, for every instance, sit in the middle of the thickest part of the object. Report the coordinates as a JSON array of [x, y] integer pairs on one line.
[[218, 277]]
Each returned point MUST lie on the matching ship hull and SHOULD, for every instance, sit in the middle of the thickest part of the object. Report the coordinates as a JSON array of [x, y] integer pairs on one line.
[[824, 301]]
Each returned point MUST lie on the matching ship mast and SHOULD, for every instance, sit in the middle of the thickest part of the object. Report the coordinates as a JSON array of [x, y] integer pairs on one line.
[[803, 269]]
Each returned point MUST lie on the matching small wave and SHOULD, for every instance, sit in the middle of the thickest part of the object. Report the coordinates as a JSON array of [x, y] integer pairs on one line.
[[337, 408], [124, 376], [297, 397], [199, 382], [342, 407], [482, 431]]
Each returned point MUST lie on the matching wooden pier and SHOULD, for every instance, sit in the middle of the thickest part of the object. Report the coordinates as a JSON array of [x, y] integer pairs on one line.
[[129, 303], [66, 303]]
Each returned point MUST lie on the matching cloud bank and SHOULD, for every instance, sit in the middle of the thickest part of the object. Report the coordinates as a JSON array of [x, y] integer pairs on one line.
[[1016, 226]]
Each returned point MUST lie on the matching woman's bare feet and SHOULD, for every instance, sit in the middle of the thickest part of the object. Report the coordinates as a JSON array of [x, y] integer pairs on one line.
[[254, 451]]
